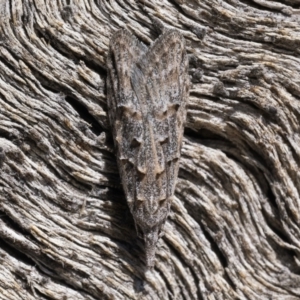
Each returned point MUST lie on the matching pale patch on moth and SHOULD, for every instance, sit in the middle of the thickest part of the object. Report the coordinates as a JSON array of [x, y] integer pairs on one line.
[[147, 91]]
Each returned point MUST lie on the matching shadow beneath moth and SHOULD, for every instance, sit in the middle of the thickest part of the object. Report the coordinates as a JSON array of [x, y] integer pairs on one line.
[[147, 91]]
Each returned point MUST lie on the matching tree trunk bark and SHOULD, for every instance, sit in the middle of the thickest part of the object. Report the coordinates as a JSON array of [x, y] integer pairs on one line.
[[234, 228]]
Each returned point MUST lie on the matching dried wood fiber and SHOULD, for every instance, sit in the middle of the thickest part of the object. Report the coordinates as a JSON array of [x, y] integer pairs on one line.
[[65, 228]]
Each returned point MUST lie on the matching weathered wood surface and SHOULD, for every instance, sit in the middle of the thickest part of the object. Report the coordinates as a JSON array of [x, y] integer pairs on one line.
[[65, 229]]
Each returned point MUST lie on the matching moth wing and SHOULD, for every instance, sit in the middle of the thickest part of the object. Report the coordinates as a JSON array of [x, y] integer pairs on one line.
[[124, 51], [160, 81]]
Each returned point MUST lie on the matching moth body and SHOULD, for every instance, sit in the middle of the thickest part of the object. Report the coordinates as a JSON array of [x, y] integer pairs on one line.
[[147, 94]]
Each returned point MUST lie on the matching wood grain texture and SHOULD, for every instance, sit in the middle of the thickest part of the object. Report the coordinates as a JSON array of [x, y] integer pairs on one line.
[[147, 91], [234, 226]]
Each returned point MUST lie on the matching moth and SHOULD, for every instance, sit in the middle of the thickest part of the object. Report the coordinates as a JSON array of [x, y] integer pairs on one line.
[[147, 91]]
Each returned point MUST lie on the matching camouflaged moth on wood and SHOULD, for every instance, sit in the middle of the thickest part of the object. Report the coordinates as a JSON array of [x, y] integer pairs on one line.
[[147, 92]]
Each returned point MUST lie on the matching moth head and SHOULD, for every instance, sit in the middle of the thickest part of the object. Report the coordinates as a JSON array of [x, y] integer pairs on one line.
[[151, 238]]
